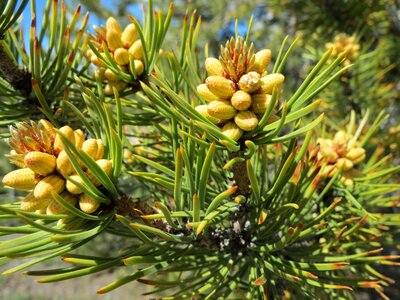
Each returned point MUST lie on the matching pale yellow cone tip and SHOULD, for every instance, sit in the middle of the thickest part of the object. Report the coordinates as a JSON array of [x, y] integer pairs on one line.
[[110, 75], [97, 61], [139, 67], [340, 138], [129, 35], [344, 164], [356, 154], [112, 24]]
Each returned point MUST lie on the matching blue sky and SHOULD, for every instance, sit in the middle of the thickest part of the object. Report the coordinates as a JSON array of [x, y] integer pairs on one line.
[[133, 9]]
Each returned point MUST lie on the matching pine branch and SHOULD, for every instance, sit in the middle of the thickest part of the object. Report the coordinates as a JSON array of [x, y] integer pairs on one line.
[[19, 79]]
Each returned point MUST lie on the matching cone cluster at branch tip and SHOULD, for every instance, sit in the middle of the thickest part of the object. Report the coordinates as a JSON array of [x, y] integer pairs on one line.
[[45, 167], [344, 43], [238, 88], [123, 45], [340, 154]]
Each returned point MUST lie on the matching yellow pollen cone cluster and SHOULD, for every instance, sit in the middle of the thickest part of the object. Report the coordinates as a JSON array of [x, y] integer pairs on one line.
[[238, 89], [344, 43], [340, 154], [123, 46], [45, 167]]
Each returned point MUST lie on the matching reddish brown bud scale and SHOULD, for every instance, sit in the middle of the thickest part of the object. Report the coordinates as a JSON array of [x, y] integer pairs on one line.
[[259, 281], [296, 173], [311, 275], [368, 284], [340, 233]]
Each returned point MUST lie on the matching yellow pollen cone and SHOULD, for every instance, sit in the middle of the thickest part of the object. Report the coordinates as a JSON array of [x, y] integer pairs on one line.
[[202, 109], [246, 120], [105, 165], [220, 86], [260, 103], [129, 35], [114, 40], [21, 179], [48, 185], [121, 56], [56, 208], [90, 147], [88, 204], [249, 82], [40, 162], [69, 134], [261, 61], [136, 50], [205, 93], [213, 67], [221, 110], [270, 81], [30, 203], [232, 131], [79, 138], [112, 24], [110, 75], [64, 165], [241, 100], [71, 187]]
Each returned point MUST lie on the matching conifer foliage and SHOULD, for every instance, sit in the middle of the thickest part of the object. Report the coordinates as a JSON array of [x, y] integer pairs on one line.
[[225, 175]]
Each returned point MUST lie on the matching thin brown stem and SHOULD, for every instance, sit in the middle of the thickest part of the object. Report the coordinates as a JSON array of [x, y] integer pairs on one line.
[[240, 175]]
